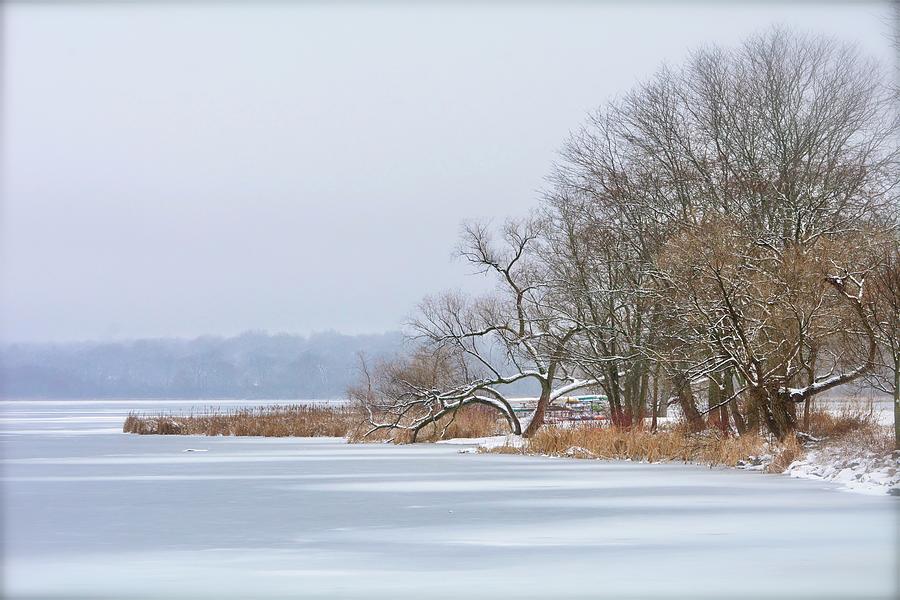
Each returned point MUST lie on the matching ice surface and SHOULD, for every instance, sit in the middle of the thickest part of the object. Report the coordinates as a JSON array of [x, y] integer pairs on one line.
[[101, 515]]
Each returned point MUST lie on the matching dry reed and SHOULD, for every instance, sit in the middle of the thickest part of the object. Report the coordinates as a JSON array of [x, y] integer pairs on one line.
[[845, 423], [307, 421], [268, 421], [708, 447], [787, 452], [844, 416]]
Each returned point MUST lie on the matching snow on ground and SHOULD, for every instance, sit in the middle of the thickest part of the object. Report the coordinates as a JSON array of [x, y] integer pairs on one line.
[[854, 469], [859, 472], [486, 443]]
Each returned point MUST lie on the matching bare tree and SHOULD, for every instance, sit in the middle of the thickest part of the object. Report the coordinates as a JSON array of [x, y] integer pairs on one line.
[[751, 187], [598, 275], [404, 396], [885, 291], [512, 335], [760, 317], [714, 233]]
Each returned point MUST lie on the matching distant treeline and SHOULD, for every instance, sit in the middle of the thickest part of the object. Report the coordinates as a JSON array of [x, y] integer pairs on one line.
[[251, 365]]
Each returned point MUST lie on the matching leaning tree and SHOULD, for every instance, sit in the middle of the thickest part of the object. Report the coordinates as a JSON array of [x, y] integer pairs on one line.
[[513, 335]]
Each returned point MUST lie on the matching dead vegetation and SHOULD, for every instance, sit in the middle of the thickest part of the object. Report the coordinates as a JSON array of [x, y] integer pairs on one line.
[[269, 421], [306, 421], [842, 417], [614, 443], [789, 450], [851, 426], [848, 425]]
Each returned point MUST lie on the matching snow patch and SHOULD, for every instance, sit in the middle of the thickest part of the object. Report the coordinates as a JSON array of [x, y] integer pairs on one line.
[[866, 473], [579, 452], [475, 445]]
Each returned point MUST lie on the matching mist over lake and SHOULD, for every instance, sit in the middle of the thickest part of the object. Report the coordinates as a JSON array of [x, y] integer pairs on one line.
[[251, 365]]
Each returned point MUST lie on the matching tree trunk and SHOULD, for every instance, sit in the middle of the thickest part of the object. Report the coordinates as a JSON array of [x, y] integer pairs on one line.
[[615, 396], [785, 417], [739, 424], [754, 409], [779, 417], [806, 404], [629, 399], [896, 403], [537, 419], [766, 415], [688, 405], [811, 379], [723, 419], [713, 397], [642, 396]]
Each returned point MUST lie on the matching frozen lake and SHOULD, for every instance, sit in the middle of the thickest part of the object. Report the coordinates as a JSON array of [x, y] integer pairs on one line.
[[89, 512]]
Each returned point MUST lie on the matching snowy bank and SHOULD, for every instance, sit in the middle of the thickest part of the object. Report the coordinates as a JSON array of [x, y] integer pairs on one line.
[[474, 445], [865, 473], [854, 468]]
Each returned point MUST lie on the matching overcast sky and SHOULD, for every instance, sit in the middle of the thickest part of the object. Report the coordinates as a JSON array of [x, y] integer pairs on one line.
[[176, 171]]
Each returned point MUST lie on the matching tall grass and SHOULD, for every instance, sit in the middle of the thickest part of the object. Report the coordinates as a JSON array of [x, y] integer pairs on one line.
[[708, 447], [307, 421], [851, 426], [841, 417], [267, 421]]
